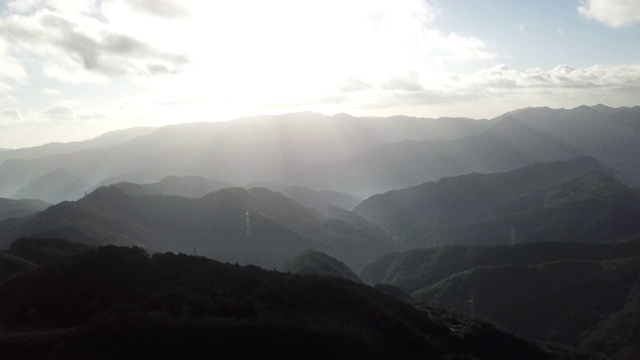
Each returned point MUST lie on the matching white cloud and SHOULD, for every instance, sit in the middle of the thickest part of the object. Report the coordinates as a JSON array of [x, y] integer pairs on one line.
[[52, 92], [78, 48], [614, 13], [560, 77], [170, 9]]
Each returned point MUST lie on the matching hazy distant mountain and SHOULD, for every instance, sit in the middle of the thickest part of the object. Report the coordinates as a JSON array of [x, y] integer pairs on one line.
[[17, 208], [54, 187], [214, 226], [263, 148], [104, 141], [87, 165], [312, 198], [136, 189], [119, 303], [198, 186], [359, 156], [574, 200], [188, 186], [317, 263], [517, 139]]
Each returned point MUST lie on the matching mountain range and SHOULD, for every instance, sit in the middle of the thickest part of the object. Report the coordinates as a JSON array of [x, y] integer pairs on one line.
[[258, 149], [120, 303], [10, 208], [256, 226], [513, 140], [358, 156], [573, 200], [198, 186], [528, 221], [580, 294]]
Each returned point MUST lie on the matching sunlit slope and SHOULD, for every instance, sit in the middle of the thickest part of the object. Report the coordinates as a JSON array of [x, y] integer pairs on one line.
[[10, 208], [313, 262], [215, 225], [263, 148], [575, 200], [517, 139], [53, 187]]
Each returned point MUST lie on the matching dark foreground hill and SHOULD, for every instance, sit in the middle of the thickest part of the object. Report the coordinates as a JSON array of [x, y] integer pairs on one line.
[[255, 226], [119, 303], [568, 301], [313, 262], [573, 200], [583, 295], [418, 268]]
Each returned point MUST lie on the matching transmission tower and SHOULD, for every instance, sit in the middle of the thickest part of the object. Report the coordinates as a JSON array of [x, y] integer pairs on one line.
[[248, 227]]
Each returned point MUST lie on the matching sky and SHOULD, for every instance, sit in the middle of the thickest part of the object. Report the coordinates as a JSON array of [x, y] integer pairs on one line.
[[74, 69]]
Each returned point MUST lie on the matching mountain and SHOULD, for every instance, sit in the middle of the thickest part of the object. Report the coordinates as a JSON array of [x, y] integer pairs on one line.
[[578, 294], [415, 269], [215, 226], [574, 200], [188, 186], [45, 251], [86, 165], [313, 198], [617, 335], [136, 189], [104, 141], [514, 140], [313, 262], [54, 187], [11, 265], [16, 208], [263, 148], [119, 303], [564, 301]]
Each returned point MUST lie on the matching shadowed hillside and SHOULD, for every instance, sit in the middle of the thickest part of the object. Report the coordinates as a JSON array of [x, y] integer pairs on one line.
[[575, 200], [564, 301], [117, 303], [214, 225], [414, 269]]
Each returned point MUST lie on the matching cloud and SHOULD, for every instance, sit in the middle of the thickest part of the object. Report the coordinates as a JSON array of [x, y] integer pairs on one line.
[[13, 114], [397, 83], [59, 113], [52, 92], [169, 9], [353, 84], [88, 51], [560, 77], [614, 13]]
